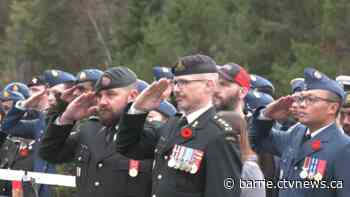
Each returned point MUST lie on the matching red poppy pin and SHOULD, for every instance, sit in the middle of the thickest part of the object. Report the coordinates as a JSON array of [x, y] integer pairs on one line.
[[186, 133], [23, 152], [316, 145]]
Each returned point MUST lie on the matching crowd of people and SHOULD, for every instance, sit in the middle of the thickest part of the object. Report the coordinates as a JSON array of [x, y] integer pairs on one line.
[[198, 130]]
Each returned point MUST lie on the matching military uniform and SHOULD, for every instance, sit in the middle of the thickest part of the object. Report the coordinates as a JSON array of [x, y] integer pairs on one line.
[[100, 170], [192, 161], [323, 157]]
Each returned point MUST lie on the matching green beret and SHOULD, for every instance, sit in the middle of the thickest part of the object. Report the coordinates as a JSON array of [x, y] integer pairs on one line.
[[116, 77]]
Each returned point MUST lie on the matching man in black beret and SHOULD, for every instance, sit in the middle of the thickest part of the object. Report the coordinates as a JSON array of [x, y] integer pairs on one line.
[[100, 170], [194, 154]]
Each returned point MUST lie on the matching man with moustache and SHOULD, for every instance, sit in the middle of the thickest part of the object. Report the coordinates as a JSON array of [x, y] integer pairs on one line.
[[233, 86], [100, 170], [194, 155], [314, 151]]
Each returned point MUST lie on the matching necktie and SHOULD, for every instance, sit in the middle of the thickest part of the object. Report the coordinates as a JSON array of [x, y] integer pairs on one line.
[[181, 122]]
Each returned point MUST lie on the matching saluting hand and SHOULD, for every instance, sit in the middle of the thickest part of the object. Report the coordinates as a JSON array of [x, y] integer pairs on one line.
[[68, 95], [279, 109], [151, 97], [33, 102], [80, 108]]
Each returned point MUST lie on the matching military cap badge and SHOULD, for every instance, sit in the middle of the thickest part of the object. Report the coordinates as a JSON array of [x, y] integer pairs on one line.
[[54, 73], [15, 88], [253, 77], [179, 66], [35, 80], [105, 81], [82, 76], [317, 75], [6, 94]]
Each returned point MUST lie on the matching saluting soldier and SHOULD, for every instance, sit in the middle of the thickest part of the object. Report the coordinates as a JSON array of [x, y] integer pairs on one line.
[[193, 155], [15, 123], [100, 169], [315, 150]]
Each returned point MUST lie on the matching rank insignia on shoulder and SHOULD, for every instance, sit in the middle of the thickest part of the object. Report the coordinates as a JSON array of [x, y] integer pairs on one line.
[[223, 124], [185, 159]]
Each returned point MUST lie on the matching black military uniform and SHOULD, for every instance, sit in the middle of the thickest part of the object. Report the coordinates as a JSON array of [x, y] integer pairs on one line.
[[191, 159], [100, 169]]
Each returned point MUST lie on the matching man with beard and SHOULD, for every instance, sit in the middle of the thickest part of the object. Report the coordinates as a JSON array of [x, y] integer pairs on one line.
[[100, 170], [233, 86], [314, 151], [194, 156]]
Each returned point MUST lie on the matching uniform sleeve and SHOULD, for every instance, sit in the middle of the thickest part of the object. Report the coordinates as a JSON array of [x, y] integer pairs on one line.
[[223, 165], [341, 167], [57, 145], [135, 139], [265, 137], [15, 125]]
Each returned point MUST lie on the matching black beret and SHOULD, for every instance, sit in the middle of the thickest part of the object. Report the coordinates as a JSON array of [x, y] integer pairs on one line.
[[194, 64], [116, 77]]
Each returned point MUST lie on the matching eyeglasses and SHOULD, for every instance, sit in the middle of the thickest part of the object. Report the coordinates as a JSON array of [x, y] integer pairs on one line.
[[311, 99], [182, 83]]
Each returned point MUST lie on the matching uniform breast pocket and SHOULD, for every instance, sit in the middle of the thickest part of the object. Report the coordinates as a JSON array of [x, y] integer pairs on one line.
[[136, 184], [82, 159], [186, 182]]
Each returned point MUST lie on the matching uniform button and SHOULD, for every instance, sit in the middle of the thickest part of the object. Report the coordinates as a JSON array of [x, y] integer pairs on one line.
[[96, 183], [154, 195], [80, 158], [166, 157], [156, 150], [100, 165], [159, 176], [295, 167]]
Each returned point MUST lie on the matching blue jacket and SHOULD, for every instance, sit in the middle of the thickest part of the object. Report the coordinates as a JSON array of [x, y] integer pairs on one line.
[[15, 124], [334, 149]]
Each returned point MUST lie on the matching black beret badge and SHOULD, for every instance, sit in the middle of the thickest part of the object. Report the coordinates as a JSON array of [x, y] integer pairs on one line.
[[179, 66], [105, 81]]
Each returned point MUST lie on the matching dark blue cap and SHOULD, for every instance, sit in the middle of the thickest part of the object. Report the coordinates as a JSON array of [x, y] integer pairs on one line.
[[255, 99], [162, 72], [261, 84], [141, 85], [297, 85], [15, 91], [89, 75], [315, 80], [55, 77], [166, 109]]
